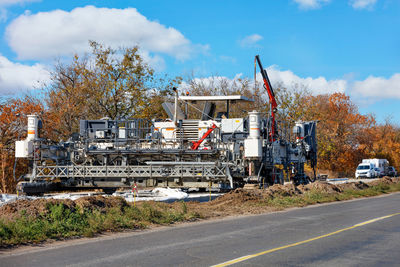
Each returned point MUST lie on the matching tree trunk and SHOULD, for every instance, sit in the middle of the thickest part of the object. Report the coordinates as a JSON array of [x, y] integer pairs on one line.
[[3, 174]]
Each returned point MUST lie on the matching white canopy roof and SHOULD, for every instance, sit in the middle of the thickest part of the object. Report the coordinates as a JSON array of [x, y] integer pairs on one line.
[[215, 98]]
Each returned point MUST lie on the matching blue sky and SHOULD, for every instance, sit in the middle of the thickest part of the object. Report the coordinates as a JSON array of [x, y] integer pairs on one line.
[[350, 46]]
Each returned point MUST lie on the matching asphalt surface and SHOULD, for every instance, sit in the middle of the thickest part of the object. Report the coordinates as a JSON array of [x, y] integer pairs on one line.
[[375, 243]]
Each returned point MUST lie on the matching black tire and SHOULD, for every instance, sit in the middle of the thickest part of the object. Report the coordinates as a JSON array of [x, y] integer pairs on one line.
[[109, 190]]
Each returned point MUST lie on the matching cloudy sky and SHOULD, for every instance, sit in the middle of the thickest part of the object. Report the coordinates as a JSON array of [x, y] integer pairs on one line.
[[350, 46]]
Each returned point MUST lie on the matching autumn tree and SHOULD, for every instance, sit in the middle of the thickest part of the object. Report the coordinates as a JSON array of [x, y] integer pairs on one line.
[[118, 81], [384, 142], [13, 121], [66, 99], [113, 83], [340, 131], [161, 92], [292, 102]]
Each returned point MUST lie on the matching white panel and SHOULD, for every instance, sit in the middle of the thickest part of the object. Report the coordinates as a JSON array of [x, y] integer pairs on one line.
[[167, 129], [215, 98], [23, 148], [252, 148], [231, 125], [99, 134], [122, 133]]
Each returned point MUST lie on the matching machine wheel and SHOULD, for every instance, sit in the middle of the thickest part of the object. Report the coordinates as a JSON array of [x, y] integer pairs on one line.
[[109, 190]]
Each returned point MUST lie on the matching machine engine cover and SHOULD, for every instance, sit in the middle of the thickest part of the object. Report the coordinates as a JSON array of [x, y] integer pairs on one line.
[[23, 148], [252, 148], [232, 125]]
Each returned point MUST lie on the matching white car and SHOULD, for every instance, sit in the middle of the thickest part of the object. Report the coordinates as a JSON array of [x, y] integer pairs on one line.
[[366, 170]]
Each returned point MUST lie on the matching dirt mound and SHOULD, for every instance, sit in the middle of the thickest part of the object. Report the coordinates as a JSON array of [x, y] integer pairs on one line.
[[31, 208], [237, 196], [40, 207], [244, 201], [241, 195], [100, 203], [385, 180], [282, 190], [323, 187], [355, 186]]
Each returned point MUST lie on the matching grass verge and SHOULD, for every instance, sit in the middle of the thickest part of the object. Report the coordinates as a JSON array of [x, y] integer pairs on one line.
[[315, 196], [61, 220]]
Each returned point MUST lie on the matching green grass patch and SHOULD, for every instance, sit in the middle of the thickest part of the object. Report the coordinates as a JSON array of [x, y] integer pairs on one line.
[[62, 222]]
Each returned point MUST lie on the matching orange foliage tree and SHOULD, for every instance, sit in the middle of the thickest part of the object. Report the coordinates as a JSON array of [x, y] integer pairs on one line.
[[384, 142], [341, 131], [13, 123]]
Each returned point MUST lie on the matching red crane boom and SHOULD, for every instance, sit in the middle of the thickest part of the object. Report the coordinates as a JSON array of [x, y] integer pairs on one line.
[[271, 95], [198, 143]]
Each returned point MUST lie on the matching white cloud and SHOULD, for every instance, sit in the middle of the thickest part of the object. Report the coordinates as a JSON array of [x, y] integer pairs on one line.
[[250, 40], [155, 61], [16, 78], [213, 83], [3, 14], [311, 4], [13, 2], [370, 89], [378, 87], [277, 77], [362, 4], [46, 35], [6, 3], [318, 85]]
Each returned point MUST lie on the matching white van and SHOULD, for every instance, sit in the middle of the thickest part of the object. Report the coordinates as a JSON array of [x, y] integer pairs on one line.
[[381, 164], [366, 170]]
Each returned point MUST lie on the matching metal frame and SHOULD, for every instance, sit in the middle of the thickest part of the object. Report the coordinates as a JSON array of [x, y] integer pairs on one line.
[[141, 171]]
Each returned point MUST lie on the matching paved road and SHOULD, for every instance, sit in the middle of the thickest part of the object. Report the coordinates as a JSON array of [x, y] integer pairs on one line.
[[341, 241]]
